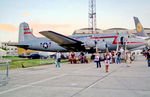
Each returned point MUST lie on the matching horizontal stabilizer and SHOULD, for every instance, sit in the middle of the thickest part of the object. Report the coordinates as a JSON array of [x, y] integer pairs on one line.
[[18, 45]]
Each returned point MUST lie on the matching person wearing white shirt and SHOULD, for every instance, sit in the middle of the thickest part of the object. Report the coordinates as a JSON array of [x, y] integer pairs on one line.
[[58, 59]]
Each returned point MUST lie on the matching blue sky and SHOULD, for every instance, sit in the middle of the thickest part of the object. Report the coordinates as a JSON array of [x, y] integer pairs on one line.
[[65, 16]]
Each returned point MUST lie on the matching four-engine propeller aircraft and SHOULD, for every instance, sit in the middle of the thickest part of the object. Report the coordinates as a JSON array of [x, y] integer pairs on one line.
[[53, 41]]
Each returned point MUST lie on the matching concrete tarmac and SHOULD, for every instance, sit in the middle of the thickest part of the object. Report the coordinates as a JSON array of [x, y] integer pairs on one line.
[[80, 80]]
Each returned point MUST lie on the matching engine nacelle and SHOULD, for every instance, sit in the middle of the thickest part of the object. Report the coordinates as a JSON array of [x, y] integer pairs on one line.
[[101, 45], [89, 44]]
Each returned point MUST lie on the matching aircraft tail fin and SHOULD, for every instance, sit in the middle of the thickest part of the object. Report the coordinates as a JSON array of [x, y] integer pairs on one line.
[[139, 28], [25, 33]]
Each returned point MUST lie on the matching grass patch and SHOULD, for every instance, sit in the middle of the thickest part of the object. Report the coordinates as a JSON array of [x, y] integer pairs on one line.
[[17, 62], [29, 62], [3, 66]]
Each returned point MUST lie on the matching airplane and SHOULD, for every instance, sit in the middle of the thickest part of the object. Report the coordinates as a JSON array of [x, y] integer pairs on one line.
[[140, 31], [53, 41]]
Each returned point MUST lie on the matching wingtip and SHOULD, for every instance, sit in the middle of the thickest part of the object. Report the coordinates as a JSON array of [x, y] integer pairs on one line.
[[42, 32], [46, 31]]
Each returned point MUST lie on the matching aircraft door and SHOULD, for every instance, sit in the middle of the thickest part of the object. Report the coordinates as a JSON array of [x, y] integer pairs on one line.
[[122, 40]]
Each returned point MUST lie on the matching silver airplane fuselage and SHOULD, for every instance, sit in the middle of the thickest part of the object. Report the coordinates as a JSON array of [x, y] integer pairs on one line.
[[101, 39]]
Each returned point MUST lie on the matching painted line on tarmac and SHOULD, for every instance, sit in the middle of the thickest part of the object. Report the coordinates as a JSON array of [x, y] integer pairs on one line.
[[30, 84], [83, 69], [95, 82]]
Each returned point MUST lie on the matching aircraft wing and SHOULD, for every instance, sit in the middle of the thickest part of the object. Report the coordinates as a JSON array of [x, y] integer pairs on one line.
[[64, 41]]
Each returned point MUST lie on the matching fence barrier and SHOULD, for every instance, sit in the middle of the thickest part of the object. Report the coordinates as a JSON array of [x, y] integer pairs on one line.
[[4, 73]]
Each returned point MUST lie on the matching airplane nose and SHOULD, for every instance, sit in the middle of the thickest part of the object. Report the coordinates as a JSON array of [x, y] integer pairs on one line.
[[143, 42], [140, 42]]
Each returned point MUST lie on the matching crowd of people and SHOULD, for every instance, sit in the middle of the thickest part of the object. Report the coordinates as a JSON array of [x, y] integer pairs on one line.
[[72, 58], [111, 57], [107, 57]]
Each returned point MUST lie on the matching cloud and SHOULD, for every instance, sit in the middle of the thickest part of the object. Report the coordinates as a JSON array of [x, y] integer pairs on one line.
[[37, 26], [25, 13], [8, 27], [60, 28]]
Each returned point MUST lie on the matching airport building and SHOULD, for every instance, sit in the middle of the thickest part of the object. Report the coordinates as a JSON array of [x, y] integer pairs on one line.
[[2, 52], [119, 30], [147, 30], [86, 31], [89, 30], [10, 50]]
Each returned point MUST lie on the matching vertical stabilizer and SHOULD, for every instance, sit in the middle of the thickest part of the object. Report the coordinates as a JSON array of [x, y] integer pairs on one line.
[[139, 28], [25, 34]]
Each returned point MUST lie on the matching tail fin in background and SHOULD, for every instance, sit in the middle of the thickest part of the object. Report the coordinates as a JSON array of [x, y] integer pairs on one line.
[[25, 34], [139, 28]]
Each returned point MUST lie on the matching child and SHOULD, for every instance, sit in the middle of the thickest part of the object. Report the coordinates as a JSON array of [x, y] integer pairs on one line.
[[107, 61]]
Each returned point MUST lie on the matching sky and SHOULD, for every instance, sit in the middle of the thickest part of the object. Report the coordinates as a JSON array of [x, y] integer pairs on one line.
[[65, 16]]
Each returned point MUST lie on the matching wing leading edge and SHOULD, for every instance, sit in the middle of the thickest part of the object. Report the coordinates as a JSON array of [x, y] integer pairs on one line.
[[64, 41]]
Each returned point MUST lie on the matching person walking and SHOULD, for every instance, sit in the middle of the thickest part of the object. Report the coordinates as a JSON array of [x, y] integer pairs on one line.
[[107, 61], [97, 59], [118, 59], [58, 59], [128, 57], [148, 57]]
